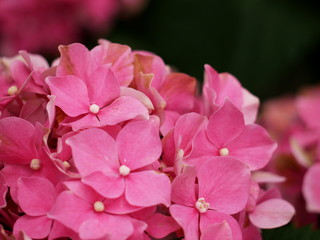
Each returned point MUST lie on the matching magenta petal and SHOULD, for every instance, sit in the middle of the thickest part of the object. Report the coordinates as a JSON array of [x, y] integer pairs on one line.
[[110, 185], [160, 225], [272, 213], [71, 210], [123, 109], [71, 93], [103, 87], [217, 231], [17, 141], [142, 138], [225, 125], [94, 150], [254, 147], [148, 188], [34, 227], [188, 219], [311, 188], [224, 183], [89, 120], [58, 230], [35, 195], [183, 188], [213, 217]]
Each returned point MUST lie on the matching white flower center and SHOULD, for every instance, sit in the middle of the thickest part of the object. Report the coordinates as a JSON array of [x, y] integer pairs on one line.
[[35, 164], [66, 164], [98, 206], [12, 90], [124, 170], [180, 154], [94, 108], [224, 152], [201, 205]]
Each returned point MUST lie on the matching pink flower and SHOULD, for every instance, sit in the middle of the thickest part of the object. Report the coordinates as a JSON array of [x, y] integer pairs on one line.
[[227, 135], [222, 189], [311, 188], [113, 170]]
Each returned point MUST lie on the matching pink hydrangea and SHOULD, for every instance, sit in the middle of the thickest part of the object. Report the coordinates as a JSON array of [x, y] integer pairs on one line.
[[111, 143]]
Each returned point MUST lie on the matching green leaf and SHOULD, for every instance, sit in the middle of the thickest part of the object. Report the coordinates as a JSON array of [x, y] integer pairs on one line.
[[289, 232]]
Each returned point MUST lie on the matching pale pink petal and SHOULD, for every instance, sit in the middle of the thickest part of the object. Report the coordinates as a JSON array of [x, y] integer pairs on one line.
[[35, 195], [225, 125], [250, 106], [267, 177], [184, 188], [75, 60], [17, 141], [109, 185], [71, 210], [90, 151], [311, 188], [147, 188], [213, 217], [254, 147], [131, 92], [217, 231], [188, 219], [103, 87], [123, 109], [272, 213], [71, 93], [224, 183], [34, 227], [160, 225], [142, 138]]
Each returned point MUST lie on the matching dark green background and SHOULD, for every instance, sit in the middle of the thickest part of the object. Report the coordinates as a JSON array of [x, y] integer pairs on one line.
[[271, 46]]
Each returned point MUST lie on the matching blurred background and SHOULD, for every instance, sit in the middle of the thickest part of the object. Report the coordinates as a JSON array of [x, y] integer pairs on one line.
[[271, 46]]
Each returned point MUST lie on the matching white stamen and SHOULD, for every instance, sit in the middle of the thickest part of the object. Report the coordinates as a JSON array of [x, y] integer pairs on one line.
[[12, 90], [124, 170], [201, 205], [66, 164], [224, 152], [35, 164], [180, 154], [94, 108], [98, 206]]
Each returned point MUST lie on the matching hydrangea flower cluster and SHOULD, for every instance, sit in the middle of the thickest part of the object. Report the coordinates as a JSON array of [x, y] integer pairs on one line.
[[113, 144], [294, 122], [25, 24]]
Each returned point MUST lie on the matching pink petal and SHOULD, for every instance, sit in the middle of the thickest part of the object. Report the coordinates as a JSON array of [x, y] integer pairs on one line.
[[82, 191], [169, 122], [120, 206], [142, 138], [178, 91], [272, 213], [123, 109], [139, 228], [34, 111], [160, 225], [202, 150], [17, 141], [131, 92], [183, 188], [34, 227], [148, 188], [58, 231], [188, 219], [75, 60], [71, 93], [225, 125], [103, 87], [251, 232], [254, 147], [108, 185], [229, 225], [71, 210], [224, 183], [308, 108], [108, 226], [94, 150], [217, 231], [35, 195], [250, 106], [267, 177], [311, 188], [3, 191], [89, 120]]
